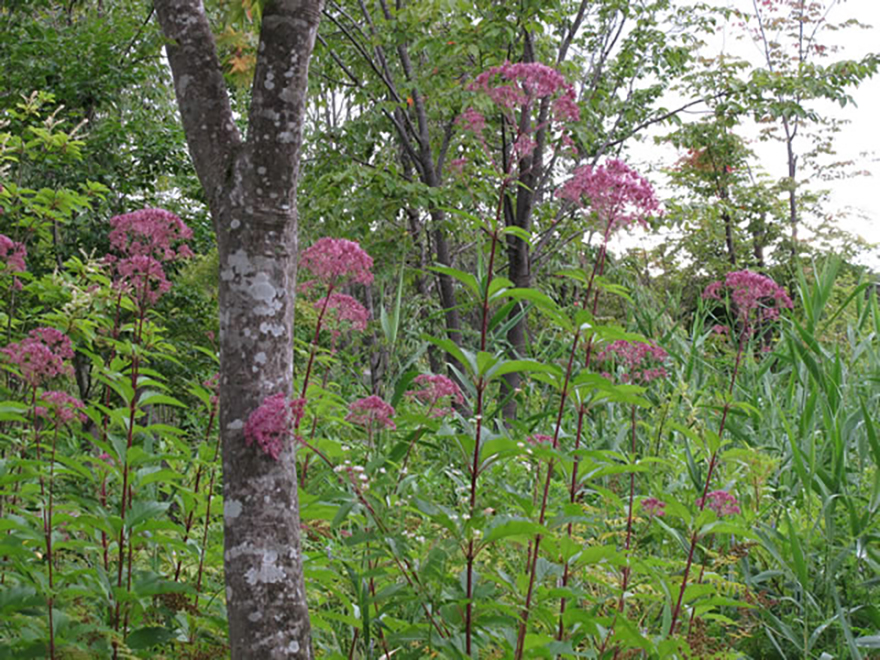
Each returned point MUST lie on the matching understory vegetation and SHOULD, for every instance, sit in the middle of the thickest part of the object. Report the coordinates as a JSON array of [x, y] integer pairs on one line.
[[516, 436]]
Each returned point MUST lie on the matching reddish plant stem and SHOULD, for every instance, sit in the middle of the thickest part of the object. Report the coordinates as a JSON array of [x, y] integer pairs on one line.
[[524, 616], [629, 520], [126, 498], [14, 501], [572, 495], [312, 353], [203, 549], [404, 566], [354, 640], [305, 469], [409, 449], [598, 266], [699, 581], [50, 558], [372, 586], [131, 542], [701, 503], [104, 543], [470, 555], [520, 643], [314, 349], [535, 492], [191, 516], [104, 426]]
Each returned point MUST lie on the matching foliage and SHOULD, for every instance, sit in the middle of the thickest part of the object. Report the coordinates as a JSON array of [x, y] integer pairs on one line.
[[691, 471]]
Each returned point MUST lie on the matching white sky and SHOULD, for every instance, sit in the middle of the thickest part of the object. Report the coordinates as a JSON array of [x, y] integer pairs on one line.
[[859, 141]]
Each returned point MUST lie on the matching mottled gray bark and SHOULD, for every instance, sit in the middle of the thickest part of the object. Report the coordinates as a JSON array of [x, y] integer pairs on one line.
[[251, 190]]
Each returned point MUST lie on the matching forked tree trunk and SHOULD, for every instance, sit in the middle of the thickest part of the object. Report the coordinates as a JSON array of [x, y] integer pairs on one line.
[[251, 190]]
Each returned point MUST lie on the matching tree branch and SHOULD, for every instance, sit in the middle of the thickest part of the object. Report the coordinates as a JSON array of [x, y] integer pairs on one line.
[[278, 102], [211, 133], [656, 120]]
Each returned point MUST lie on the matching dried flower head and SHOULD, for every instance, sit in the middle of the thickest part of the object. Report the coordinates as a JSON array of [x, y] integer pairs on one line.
[[614, 193], [273, 422], [371, 411], [41, 355], [336, 260], [434, 389]]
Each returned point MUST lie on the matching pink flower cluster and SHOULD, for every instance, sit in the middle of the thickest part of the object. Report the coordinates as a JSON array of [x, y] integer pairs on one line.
[[540, 439], [150, 233], [434, 389], [456, 166], [41, 355], [62, 407], [636, 357], [273, 422], [654, 507], [615, 194], [335, 261], [515, 85], [13, 254], [347, 309], [472, 120], [369, 411], [721, 502], [147, 239], [145, 276], [751, 292]]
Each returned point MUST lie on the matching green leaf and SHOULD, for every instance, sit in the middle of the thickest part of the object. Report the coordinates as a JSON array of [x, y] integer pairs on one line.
[[465, 278], [520, 366], [155, 398], [141, 511], [514, 528], [519, 232], [469, 361], [147, 637], [151, 475], [797, 553]]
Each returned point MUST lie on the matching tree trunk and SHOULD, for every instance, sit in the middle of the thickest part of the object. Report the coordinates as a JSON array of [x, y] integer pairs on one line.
[[758, 242], [728, 236], [519, 263], [792, 192], [251, 191], [416, 231]]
